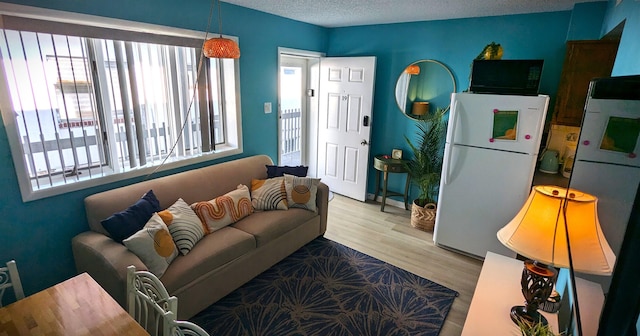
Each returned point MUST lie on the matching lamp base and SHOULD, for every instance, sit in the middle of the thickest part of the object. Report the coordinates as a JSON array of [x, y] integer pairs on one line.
[[520, 314]]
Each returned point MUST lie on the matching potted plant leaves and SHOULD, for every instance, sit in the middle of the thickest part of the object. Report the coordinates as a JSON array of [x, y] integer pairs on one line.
[[425, 167], [536, 329]]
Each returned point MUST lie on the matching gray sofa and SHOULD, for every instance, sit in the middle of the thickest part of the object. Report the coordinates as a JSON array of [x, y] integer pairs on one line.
[[219, 263]]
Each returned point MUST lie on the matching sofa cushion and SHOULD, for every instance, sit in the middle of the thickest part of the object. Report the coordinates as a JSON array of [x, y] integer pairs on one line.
[[301, 191], [123, 224], [211, 252], [184, 225], [153, 245], [269, 194], [267, 225], [224, 210]]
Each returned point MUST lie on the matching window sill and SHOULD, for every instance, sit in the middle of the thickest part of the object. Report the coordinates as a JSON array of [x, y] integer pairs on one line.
[[98, 180]]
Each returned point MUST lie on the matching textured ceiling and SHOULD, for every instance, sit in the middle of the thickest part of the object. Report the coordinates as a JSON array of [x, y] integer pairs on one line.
[[342, 13]]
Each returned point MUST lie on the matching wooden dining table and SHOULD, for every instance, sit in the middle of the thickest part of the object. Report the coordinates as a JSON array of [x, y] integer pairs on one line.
[[78, 306]]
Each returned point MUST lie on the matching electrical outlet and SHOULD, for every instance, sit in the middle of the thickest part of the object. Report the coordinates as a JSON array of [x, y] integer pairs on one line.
[[267, 107]]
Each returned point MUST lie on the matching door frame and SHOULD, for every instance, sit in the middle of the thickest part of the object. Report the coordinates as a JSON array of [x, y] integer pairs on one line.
[[312, 104]]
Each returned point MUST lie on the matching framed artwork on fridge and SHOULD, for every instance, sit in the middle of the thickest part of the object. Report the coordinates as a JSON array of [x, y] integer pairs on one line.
[[505, 125]]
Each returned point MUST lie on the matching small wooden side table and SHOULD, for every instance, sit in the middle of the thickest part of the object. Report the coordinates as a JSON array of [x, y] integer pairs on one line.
[[386, 165]]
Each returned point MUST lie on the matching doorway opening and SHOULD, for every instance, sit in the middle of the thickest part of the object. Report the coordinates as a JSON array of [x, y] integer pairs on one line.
[[297, 108]]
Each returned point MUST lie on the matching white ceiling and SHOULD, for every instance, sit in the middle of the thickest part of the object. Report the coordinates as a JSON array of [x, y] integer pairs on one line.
[[342, 13]]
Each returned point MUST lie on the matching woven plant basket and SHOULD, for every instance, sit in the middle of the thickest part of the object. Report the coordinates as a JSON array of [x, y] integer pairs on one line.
[[423, 218]]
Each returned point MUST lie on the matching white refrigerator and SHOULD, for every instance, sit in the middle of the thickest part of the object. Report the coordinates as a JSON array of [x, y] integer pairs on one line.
[[490, 155], [607, 161]]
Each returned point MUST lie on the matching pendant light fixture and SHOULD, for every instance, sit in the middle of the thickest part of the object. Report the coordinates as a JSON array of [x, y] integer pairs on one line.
[[220, 47]]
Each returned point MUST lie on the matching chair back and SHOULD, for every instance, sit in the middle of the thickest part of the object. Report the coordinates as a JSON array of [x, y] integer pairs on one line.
[[10, 278], [149, 303], [185, 328]]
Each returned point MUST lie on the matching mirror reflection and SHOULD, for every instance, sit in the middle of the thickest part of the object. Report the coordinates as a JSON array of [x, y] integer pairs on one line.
[[423, 86], [606, 166]]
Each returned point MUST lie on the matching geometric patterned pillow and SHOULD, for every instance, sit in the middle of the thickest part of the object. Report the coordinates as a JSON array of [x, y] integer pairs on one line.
[[301, 191], [153, 245], [224, 210], [184, 225], [269, 194]]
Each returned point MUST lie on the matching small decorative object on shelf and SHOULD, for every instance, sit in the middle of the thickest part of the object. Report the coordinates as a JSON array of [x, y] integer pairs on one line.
[[396, 154], [552, 304]]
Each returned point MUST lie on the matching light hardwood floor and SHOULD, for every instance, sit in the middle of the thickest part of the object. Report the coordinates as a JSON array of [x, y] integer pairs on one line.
[[389, 236]]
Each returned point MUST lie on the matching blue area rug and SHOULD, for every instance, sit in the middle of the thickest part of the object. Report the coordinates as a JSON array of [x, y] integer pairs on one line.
[[326, 288]]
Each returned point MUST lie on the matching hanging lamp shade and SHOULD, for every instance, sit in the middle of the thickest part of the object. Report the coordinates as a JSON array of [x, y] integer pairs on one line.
[[220, 47], [413, 69]]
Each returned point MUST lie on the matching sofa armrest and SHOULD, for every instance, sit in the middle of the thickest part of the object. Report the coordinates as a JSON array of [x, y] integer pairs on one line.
[[322, 202], [106, 261]]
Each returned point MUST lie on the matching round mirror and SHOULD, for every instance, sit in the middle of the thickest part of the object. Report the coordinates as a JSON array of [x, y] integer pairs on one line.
[[424, 86]]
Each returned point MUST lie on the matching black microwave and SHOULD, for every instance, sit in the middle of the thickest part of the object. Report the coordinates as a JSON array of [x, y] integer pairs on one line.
[[513, 77]]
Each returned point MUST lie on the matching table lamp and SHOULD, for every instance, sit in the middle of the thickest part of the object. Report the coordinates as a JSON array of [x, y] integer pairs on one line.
[[560, 228]]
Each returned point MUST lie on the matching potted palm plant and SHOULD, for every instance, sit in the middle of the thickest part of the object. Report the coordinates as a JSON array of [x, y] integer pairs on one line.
[[425, 167]]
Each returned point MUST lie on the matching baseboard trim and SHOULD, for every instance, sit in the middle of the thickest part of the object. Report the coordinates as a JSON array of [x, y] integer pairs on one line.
[[390, 201]]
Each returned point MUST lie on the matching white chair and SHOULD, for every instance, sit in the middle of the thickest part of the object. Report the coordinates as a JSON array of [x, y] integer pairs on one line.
[[10, 278], [186, 328], [149, 303]]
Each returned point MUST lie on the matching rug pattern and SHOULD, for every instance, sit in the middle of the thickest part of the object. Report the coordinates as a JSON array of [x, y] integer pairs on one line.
[[326, 288]]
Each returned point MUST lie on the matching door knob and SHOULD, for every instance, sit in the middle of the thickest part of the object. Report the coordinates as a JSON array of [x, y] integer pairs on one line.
[[364, 142]]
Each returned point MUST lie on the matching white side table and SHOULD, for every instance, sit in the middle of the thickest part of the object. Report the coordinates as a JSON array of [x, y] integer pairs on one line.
[[498, 289]]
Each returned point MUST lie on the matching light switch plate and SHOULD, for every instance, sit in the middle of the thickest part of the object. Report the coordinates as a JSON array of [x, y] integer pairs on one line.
[[267, 107]]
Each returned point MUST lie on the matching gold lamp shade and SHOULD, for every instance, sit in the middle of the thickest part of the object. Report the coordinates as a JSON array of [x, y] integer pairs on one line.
[[220, 47], [538, 231]]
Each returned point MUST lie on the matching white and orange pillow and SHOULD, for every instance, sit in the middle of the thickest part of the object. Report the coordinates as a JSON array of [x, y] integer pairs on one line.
[[184, 225], [153, 245], [269, 194], [301, 191], [224, 210]]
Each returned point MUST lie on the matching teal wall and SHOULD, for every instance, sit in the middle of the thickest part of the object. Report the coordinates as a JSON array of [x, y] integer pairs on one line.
[[628, 58], [38, 234], [455, 43], [586, 21]]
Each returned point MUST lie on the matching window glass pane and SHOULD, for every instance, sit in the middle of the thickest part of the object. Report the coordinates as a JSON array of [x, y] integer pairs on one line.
[[86, 108]]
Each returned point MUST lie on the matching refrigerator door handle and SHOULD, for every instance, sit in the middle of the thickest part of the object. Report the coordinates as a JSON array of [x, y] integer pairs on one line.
[[449, 148], [454, 117]]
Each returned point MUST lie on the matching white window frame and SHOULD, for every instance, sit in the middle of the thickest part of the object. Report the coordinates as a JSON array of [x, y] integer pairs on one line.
[[232, 117]]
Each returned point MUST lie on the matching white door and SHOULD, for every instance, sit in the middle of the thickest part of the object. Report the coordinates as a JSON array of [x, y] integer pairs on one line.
[[344, 123]]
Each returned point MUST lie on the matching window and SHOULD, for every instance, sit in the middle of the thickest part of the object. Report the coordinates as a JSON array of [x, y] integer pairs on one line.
[[110, 103]]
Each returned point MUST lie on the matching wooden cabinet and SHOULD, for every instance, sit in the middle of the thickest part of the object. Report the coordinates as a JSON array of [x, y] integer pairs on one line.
[[583, 61]]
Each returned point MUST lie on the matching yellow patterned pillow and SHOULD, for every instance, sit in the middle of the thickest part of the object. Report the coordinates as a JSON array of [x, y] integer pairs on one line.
[[224, 210], [153, 245], [301, 191], [269, 194]]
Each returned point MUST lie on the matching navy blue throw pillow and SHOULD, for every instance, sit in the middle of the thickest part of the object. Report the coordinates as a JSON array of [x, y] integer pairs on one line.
[[277, 171], [123, 224]]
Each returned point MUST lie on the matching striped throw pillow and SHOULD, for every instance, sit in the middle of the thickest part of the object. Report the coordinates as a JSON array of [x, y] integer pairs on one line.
[[269, 194], [184, 225]]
